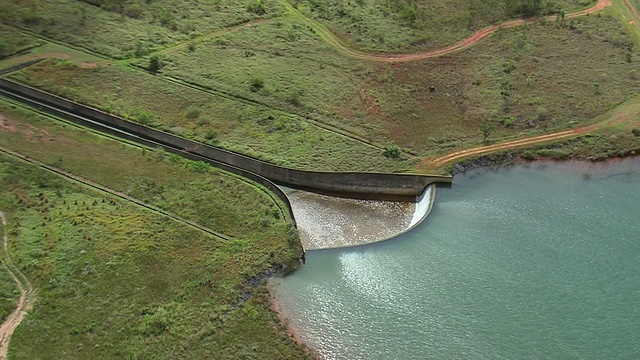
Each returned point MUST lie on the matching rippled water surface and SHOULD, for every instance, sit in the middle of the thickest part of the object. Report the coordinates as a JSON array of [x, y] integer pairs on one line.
[[531, 262]]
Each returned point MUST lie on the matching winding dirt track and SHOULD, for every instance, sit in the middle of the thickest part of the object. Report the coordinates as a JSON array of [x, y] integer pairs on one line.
[[27, 295], [471, 40], [503, 146]]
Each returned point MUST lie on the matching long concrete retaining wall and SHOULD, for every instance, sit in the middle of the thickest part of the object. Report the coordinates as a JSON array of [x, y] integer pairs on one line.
[[286, 210], [346, 184]]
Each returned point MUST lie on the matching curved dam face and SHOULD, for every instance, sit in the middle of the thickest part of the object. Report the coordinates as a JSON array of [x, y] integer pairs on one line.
[[327, 222]]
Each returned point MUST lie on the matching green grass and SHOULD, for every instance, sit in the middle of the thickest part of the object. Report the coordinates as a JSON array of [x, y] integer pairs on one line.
[[207, 196], [114, 281], [555, 78], [132, 30], [611, 136], [254, 130], [408, 26], [9, 293], [296, 71], [12, 42], [528, 80], [620, 9]]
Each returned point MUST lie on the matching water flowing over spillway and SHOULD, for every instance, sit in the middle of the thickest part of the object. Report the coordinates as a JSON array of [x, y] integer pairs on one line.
[[423, 206], [328, 222], [529, 262]]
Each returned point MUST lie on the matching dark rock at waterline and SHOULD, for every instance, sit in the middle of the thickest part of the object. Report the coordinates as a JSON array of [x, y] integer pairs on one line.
[[483, 161]]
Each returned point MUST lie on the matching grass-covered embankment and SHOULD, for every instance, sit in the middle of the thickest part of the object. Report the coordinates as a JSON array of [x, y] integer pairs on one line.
[[12, 42], [525, 80], [192, 190], [228, 122], [115, 280], [410, 25], [615, 134], [125, 29]]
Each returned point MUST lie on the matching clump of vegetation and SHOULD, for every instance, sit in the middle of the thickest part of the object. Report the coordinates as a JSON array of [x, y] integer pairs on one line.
[[257, 7], [636, 132], [155, 64], [193, 112], [256, 84], [144, 117], [392, 151], [487, 128]]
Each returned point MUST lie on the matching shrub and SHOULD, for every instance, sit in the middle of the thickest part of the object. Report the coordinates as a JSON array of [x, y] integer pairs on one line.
[[203, 122], [134, 11], [193, 112], [294, 98], [211, 134], [144, 117], [510, 121], [198, 166], [392, 151], [256, 84], [155, 64], [257, 7]]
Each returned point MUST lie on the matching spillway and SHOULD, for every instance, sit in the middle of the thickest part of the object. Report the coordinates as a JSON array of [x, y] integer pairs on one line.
[[329, 222]]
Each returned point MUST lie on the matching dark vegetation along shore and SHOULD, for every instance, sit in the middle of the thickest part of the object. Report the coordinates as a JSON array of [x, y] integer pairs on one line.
[[294, 83]]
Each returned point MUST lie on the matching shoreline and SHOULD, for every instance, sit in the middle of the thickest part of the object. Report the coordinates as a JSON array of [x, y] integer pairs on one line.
[[462, 168], [516, 158], [294, 335]]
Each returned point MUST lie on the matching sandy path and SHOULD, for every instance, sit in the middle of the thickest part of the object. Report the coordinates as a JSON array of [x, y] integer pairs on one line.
[[27, 295], [471, 40], [503, 146]]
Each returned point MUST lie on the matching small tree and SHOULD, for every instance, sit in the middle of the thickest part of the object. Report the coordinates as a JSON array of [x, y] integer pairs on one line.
[[155, 64], [392, 151], [487, 128]]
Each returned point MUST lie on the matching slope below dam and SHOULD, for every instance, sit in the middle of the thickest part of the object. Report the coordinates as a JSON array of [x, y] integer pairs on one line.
[[331, 222]]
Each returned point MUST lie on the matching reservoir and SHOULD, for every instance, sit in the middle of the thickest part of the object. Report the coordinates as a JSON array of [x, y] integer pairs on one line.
[[532, 261]]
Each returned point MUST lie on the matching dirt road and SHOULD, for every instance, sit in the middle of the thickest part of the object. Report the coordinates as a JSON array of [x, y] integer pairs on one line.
[[27, 294], [329, 37], [503, 146]]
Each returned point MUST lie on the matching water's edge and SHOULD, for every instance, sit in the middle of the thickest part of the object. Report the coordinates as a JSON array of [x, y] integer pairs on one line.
[[417, 219]]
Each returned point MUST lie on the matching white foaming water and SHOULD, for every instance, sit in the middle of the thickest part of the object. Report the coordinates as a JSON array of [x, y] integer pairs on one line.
[[423, 206]]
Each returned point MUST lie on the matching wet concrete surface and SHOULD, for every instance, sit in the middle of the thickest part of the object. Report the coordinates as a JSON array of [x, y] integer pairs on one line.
[[331, 222]]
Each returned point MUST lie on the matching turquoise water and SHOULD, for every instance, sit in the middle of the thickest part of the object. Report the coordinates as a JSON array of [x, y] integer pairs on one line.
[[531, 262]]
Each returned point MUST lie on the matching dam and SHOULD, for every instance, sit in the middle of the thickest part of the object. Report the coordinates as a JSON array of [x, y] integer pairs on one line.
[[330, 222]]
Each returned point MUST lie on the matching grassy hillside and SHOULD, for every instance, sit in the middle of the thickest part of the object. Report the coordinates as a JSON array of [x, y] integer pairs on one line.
[[525, 80], [12, 42], [407, 26], [123, 29], [115, 280], [237, 125], [534, 78]]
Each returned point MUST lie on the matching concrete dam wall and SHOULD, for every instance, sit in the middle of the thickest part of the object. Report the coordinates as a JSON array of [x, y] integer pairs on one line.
[[361, 185]]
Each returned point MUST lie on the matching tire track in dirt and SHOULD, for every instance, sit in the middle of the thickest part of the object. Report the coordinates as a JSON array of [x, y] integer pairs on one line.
[[503, 146], [215, 34], [634, 11], [329, 37], [27, 294]]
